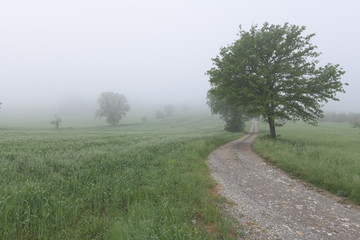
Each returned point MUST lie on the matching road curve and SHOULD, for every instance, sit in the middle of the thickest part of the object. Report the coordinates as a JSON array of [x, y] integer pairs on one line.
[[270, 205]]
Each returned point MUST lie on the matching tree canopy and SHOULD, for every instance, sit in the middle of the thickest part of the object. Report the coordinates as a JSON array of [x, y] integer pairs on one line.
[[113, 106], [273, 71], [234, 116]]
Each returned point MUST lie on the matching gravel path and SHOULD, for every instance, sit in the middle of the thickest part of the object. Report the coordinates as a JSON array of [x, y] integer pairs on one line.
[[270, 205]]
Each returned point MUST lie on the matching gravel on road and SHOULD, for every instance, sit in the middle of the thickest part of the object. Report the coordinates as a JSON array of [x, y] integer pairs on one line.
[[268, 204]]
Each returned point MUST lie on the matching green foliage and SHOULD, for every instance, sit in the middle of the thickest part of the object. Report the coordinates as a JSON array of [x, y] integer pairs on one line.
[[113, 106], [356, 124], [273, 71], [141, 181], [234, 116], [326, 156]]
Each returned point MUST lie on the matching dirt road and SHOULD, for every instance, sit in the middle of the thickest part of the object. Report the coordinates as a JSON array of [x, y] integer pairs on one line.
[[270, 205]]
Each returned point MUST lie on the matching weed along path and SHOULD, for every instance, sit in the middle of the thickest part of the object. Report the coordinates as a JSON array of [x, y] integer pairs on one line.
[[270, 205]]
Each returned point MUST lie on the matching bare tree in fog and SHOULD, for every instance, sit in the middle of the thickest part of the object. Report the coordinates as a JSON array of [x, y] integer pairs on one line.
[[113, 106], [57, 120]]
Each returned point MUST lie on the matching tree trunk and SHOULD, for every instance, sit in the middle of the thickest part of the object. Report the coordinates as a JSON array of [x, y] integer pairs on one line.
[[272, 127]]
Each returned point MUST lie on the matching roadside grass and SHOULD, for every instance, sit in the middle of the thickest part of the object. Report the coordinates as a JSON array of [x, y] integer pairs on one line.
[[327, 156], [135, 181]]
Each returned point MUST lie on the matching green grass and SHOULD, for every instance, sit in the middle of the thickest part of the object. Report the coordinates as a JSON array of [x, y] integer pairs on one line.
[[134, 181], [327, 156]]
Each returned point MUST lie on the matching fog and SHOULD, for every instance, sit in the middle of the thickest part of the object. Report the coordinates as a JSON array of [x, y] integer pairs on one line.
[[55, 54]]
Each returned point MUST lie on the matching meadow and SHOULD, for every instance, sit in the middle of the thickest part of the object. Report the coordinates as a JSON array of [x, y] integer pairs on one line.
[[327, 156], [133, 181]]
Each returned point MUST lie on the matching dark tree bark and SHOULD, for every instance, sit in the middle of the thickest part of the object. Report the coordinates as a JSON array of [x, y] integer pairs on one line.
[[272, 127]]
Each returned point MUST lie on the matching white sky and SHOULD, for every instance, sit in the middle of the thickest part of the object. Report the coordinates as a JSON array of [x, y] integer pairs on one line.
[[151, 51]]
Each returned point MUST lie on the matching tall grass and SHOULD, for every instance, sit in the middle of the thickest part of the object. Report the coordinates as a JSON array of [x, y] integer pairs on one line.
[[142, 181], [327, 156]]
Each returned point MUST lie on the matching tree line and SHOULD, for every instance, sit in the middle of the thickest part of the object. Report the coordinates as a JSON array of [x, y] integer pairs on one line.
[[340, 117], [270, 72], [113, 107]]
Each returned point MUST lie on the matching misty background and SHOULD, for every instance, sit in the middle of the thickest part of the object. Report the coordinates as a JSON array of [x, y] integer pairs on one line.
[[57, 57]]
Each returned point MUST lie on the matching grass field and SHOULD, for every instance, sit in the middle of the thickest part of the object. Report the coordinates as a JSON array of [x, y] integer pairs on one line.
[[135, 181], [327, 156]]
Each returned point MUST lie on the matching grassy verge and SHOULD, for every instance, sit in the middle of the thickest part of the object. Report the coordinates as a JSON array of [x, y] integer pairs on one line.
[[327, 156], [144, 181]]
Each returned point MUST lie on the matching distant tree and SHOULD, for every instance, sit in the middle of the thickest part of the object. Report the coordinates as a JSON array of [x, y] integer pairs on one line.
[[273, 71], [57, 120], [144, 119], [159, 114], [234, 116], [113, 106], [169, 110]]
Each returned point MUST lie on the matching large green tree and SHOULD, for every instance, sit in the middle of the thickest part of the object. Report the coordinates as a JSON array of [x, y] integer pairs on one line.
[[273, 70], [113, 106]]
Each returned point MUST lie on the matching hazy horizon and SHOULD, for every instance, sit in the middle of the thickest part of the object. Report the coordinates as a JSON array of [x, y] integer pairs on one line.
[[57, 54]]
